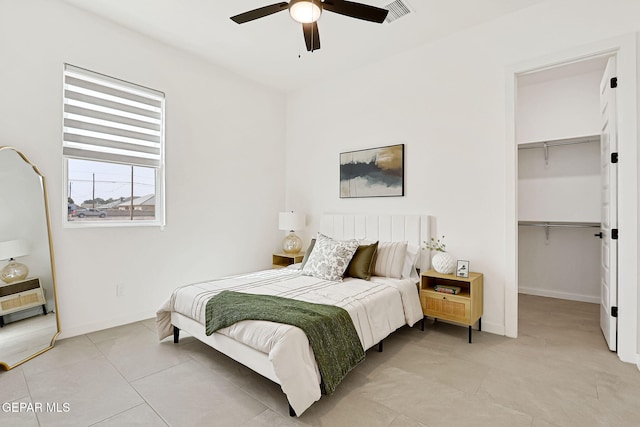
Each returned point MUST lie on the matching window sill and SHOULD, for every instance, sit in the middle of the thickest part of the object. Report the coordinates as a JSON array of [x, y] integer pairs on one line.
[[112, 224]]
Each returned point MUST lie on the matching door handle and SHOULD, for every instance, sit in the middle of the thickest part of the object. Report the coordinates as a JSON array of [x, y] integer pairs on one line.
[[598, 234]]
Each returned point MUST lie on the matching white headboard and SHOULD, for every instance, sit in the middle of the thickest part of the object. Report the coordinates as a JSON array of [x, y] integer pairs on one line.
[[414, 229]]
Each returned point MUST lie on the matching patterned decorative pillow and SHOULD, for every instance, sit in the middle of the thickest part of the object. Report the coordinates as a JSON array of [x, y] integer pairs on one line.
[[329, 258], [390, 259]]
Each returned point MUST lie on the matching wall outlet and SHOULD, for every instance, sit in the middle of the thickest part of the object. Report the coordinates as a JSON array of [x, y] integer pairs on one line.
[[119, 290]]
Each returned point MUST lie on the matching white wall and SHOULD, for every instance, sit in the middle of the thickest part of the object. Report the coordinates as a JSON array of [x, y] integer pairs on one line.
[[224, 167], [565, 266], [565, 189], [560, 103], [446, 101]]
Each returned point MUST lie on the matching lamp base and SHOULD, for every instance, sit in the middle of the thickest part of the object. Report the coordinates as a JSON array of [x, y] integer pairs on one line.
[[291, 244], [14, 271]]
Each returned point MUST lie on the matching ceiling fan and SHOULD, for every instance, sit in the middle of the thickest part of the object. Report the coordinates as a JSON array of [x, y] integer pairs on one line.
[[307, 12]]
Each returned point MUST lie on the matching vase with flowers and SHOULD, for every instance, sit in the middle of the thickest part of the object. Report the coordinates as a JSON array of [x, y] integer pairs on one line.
[[442, 261]]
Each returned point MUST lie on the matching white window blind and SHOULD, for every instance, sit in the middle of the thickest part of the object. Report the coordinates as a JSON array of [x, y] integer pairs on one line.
[[110, 120]]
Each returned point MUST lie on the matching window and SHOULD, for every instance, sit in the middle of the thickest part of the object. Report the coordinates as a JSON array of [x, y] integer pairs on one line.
[[113, 149]]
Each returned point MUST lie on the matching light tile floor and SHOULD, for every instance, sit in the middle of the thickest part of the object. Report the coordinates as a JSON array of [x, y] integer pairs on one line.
[[21, 339], [557, 373]]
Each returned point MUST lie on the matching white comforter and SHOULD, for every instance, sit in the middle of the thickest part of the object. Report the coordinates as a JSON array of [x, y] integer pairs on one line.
[[377, 308]]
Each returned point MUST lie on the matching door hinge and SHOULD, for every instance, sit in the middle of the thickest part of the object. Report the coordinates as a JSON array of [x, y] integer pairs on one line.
[[614, 157], [614, 82], [614, 311], [614, 233]]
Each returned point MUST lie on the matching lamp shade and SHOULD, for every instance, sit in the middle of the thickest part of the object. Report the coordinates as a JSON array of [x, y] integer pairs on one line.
[[13, 249], [291, 221]]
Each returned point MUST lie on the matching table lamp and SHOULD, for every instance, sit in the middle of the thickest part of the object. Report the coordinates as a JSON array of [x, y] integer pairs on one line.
[[13, 271], [291, 221]]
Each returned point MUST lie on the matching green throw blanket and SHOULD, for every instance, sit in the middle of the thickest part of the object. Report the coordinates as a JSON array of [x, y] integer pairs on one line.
[[330, 331]]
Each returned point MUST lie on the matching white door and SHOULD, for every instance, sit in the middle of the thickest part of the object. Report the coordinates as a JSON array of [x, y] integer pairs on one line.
[[609, 194]]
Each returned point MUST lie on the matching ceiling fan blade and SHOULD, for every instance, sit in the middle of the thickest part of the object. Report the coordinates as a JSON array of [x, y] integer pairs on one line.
[[356, 10], [311, 36], [260, 12]]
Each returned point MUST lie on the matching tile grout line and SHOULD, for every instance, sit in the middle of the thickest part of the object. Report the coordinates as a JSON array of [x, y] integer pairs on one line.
[[129, 383]]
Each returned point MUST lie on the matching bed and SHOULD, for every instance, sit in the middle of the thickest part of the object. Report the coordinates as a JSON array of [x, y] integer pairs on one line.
[[281, 352]]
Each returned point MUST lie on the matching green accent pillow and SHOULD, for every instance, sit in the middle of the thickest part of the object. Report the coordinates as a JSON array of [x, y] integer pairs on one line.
[[307, 253], [361, 265]]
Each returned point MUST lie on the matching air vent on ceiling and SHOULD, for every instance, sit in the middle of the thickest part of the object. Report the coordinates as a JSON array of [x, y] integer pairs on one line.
[[397, 10]]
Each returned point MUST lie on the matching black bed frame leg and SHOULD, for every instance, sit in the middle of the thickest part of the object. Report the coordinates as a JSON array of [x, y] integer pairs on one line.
[[292, 413], [380, 346], [176, 335]]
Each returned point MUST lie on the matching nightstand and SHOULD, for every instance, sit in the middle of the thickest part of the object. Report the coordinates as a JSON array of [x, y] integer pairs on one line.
[[282, 260], [18, 296], [464, 307]]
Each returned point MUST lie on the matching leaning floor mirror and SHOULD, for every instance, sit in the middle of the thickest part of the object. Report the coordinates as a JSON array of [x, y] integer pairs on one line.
[[29, 322]]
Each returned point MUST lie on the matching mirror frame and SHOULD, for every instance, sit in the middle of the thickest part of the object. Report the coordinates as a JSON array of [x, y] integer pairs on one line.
[[51, 257]]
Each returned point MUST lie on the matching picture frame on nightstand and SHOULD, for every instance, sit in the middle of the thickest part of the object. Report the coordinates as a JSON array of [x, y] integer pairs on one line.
[[462, 269]]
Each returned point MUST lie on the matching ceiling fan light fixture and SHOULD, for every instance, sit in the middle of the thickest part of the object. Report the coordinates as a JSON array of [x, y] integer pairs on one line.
[[305, 11]]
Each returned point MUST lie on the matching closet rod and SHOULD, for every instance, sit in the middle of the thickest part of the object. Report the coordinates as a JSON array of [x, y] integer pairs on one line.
[[560, 224], [559, 142]]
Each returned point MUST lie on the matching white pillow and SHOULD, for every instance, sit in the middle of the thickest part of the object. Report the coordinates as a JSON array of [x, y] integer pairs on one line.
[[390, 259], [329, 258], [410, 260]]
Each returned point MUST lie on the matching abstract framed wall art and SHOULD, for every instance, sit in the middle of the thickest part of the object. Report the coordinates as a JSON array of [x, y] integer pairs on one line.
[[375, 172]]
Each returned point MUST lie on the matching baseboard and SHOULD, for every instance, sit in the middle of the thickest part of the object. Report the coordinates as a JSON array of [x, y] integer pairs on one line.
[[559, 295], [105, 324]]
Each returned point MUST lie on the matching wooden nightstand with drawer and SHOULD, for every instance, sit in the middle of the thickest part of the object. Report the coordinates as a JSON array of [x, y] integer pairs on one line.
[[464, 307], [282, 260], [18, 296]]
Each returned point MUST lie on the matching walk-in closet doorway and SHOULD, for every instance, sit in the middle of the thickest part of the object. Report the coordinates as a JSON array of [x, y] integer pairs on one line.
[[567, 185], [621, 331]]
